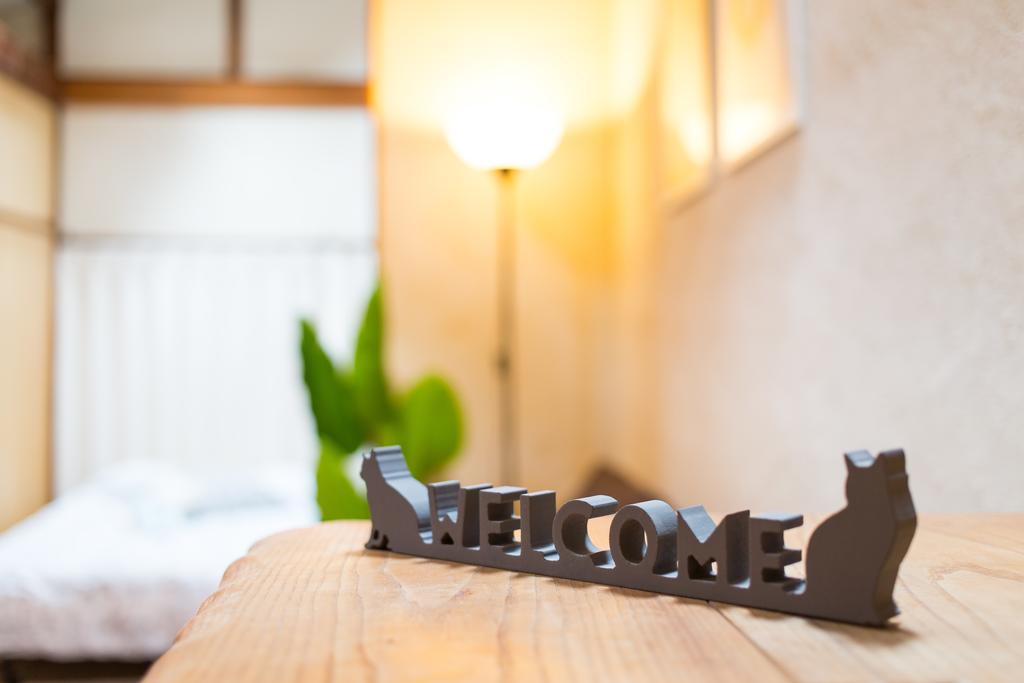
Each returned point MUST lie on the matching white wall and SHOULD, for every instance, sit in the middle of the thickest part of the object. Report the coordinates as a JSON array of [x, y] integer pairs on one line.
[[859, 287], [224, 171]]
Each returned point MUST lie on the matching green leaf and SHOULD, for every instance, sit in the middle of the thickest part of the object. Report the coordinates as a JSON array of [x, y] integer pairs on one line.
[[430, 426], [331, 395], [355, 407], [335, 494], [373, 398]]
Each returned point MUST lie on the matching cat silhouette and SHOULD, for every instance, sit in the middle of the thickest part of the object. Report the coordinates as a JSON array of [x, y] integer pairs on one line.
[[853, 556], [399, 506]]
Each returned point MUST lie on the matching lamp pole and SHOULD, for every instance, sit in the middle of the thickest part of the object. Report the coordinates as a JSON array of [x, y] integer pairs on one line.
[[504, 135], [506, 288]]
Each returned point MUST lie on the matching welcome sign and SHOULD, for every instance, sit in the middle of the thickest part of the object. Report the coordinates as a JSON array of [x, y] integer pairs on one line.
[[851, 565]]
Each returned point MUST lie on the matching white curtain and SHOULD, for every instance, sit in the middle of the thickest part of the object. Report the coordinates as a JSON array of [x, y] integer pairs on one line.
[[189, 353], [193, 240]]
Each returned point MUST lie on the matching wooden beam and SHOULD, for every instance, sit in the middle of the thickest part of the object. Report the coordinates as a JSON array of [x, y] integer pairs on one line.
[[49, 12], [24, 223], [234, 39], [213, 93]]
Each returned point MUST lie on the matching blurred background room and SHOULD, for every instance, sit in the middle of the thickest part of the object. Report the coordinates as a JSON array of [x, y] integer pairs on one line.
[[693, 249]]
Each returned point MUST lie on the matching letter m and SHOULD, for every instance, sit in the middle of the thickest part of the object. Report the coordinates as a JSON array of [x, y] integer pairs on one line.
[[703, 545]]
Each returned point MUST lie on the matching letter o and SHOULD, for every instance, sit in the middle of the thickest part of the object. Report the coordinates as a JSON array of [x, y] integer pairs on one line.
[[643, 538]]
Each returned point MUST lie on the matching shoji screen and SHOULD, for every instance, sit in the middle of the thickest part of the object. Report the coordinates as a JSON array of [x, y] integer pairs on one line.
[[193, 240], [321, 40], [143, 38], [26, 250]]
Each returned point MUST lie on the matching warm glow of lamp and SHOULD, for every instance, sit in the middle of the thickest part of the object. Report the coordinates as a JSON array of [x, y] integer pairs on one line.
[[747, 125], [502, 121], [500, 133], [755, 75]]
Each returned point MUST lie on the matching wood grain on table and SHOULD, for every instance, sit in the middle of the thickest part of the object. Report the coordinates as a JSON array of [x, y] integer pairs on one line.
[[312, 605]]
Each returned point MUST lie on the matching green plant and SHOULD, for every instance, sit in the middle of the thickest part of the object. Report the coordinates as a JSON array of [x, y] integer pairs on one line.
[[355, 407]]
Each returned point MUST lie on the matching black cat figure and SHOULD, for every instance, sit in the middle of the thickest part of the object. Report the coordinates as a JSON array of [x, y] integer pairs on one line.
[[852, 558], [386, 474]]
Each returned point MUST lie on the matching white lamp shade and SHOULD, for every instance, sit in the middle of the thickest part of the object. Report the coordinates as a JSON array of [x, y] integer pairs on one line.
[[496, 134]]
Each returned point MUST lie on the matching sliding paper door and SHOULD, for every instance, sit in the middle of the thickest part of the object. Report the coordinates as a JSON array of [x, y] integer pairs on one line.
[[26, 254], [194, 239]]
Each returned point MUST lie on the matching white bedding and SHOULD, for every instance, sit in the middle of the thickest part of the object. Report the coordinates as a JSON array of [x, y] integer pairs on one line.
[[114, 568]]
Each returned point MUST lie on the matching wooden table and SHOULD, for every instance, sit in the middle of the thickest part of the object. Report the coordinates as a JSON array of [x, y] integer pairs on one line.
[[312, 605]]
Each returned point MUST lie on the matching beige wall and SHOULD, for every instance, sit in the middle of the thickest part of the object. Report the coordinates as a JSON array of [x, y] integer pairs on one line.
[[857, 287], [26, 248], [438, 228], [861, 286]]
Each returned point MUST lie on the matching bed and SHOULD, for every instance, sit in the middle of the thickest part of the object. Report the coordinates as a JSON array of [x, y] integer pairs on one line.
[[112, 569]]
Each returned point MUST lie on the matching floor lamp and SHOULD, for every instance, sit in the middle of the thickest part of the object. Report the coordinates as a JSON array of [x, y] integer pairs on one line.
[[505, 140]]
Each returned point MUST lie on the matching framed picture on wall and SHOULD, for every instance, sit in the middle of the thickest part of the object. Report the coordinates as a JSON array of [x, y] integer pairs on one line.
[[729, 86]]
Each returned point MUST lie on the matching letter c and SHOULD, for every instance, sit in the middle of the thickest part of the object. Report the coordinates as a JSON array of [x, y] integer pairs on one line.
[[573, 543]]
